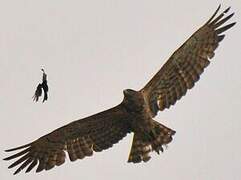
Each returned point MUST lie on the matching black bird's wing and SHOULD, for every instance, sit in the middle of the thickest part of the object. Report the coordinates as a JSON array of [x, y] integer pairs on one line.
[[37, 93]]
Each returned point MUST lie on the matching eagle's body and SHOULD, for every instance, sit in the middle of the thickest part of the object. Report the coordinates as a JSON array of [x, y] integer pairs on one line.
[[147, 132], [135, 113], [135, 104]]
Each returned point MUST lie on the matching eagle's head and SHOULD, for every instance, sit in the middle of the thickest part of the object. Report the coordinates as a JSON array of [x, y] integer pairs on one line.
[[130, 93], [133, 100]]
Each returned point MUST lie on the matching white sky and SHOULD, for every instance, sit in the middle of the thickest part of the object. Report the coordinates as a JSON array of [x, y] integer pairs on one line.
[[91, 51]]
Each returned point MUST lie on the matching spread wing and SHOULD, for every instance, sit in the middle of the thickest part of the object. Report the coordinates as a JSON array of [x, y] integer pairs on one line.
[[79, 139], [186, 64]]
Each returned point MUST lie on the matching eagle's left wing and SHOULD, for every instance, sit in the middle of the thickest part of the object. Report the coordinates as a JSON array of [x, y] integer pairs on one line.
[[186, 64]]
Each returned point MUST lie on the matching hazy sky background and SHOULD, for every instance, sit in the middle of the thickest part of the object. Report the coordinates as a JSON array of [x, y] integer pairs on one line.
[[91, 51]]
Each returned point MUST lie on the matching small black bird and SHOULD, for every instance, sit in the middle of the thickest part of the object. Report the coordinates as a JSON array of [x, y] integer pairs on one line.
[[41, 86]]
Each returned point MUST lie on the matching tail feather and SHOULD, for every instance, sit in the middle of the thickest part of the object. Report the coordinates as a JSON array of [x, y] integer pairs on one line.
[[141, 146], [140, 150]]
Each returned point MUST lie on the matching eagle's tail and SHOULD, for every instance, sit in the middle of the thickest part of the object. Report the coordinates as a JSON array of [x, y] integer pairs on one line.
[[143, 144]]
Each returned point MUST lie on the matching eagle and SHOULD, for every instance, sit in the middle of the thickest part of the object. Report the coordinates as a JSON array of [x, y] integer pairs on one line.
[[134, 114], [44, 86]]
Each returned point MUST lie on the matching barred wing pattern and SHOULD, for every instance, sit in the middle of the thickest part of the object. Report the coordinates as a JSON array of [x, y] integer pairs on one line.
[[186, 64], [79, 138]]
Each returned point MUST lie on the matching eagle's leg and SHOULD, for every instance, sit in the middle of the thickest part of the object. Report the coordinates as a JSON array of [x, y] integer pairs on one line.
[[154, 140]]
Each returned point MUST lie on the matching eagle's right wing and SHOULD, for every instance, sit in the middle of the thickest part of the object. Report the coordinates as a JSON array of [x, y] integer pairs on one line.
[[79, 139]]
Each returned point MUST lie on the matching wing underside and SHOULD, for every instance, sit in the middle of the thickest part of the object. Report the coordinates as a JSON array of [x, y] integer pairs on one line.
[[78, 139], [186, 64]]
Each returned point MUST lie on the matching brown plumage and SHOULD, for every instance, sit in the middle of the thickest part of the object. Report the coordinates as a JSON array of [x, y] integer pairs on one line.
[[134, 114], [186, 64]]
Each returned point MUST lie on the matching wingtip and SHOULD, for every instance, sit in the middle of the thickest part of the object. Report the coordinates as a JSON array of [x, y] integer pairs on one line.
[[219, 6], [16, 172], [27, 170], [214, 14], [8, 150], [233, 23], [231, 15], [7, 158], [17, 148], [226, 10]]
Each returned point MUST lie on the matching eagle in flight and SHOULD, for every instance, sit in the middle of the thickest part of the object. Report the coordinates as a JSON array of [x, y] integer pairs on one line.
[[135, 113], [44, 86]]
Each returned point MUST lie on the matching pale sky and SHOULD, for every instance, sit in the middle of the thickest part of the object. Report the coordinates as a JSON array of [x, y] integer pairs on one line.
[[91, 51]]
